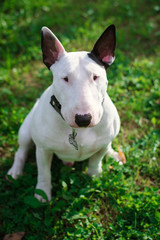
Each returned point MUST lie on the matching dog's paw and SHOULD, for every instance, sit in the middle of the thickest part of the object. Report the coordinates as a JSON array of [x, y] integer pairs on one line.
[[14, 172], [43, 198], [40, 198], [94, 172], [117, 158], [43, 192]]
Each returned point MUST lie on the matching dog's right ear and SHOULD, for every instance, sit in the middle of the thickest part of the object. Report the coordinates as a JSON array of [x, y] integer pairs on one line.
[[52, 49], [104, 48]]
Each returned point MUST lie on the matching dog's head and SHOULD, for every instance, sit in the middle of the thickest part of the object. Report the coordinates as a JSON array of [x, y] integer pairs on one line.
[[79, 77]]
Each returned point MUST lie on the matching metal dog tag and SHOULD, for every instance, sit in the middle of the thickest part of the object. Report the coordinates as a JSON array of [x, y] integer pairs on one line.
[[72, 140]]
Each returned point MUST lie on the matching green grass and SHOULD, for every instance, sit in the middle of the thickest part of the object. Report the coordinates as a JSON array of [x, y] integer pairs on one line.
[[124, 203]]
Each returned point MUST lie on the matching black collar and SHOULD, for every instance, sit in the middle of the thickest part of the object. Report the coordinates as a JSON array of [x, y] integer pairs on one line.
[[56, 105]]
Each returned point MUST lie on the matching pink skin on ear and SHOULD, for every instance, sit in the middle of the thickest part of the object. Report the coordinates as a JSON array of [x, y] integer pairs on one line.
[[60, 49], [108, 59], [54, 54]]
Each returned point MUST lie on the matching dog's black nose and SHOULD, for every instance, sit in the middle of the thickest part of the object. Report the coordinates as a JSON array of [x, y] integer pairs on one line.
[[83, 120]]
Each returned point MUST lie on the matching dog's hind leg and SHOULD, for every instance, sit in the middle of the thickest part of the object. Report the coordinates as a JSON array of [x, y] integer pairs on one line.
[[25, 144], [115, 155]]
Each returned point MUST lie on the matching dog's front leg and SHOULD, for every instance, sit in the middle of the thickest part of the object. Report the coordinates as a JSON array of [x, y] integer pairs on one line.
[[95, 163], [44, 159]]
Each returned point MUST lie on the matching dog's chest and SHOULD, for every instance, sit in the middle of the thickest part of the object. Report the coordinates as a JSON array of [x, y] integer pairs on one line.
[[77, 145]]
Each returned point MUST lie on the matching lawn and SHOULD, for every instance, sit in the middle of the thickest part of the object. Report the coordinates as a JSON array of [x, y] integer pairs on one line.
[[124, 203]]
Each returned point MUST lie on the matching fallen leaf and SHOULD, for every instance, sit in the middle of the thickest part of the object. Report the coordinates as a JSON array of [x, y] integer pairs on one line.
[[111, 167], [14, 236], [122, 155]]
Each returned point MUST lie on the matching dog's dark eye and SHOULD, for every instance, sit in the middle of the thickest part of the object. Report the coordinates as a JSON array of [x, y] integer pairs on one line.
[[65, 79], [95, 77]]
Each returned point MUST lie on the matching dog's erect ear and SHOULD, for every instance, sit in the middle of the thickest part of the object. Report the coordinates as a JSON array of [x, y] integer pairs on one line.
[[52, 49], [104, 48]]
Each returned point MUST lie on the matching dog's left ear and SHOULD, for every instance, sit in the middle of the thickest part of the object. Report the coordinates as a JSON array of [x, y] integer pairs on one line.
[[52, 49], [104, 48]]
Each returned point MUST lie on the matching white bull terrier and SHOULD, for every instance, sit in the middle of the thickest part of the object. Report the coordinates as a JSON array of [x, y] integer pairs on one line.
[[74, 118]]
